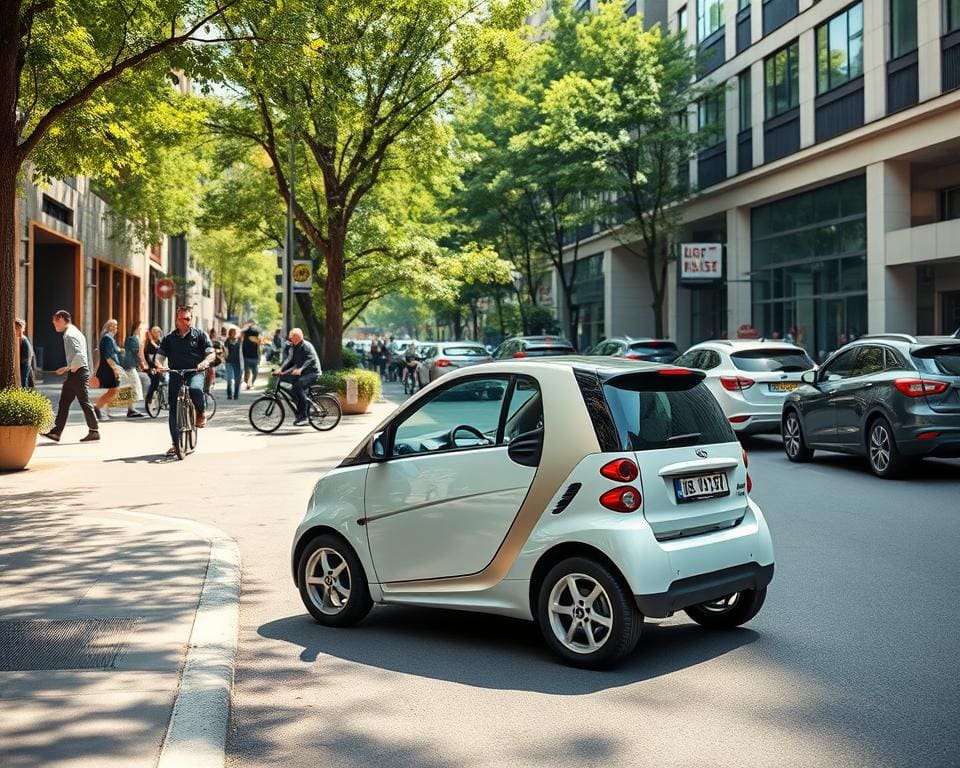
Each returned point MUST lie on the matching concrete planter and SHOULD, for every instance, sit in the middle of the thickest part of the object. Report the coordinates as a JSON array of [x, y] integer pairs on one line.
[[361, 406], [16, 447]]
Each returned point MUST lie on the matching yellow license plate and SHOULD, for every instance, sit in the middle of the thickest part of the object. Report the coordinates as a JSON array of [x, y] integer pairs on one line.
[[782, 386]]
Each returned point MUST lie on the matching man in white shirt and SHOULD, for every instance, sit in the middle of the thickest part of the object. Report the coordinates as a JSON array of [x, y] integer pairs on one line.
[[77, 384]]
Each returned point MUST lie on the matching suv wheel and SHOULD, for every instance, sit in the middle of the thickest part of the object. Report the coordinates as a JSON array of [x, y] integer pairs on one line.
[[332, 583], [730, 611], [885, 458], [586, 615], [793, 443]]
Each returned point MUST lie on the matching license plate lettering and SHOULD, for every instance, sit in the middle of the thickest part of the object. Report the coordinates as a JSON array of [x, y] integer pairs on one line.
[[782, 386], [704, 486]]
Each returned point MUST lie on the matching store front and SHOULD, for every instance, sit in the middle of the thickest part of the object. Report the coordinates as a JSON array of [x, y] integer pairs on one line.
[[587, 296], [809, 267]]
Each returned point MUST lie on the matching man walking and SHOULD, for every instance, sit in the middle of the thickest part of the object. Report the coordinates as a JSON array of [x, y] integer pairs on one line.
[[250, 347], [301, 368], [186, 348], [77, 384]]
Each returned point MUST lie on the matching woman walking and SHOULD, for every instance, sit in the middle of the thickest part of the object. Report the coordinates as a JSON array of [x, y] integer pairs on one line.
[[109, 370], [234, 364], [132, 364], [26, 353]]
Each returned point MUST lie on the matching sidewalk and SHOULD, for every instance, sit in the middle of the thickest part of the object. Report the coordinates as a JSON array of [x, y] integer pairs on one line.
[[118, 613]]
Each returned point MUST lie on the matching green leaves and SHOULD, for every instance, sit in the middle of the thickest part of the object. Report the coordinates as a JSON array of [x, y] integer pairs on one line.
[[25, 408]]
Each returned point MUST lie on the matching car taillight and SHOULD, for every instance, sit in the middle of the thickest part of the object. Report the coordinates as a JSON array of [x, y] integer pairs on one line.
[[632, 356], [738, 419], [620, 470], [519, 354], [441, 363], [746, 465], [626, 498], [736, 383], [673, 371], [919, 387]]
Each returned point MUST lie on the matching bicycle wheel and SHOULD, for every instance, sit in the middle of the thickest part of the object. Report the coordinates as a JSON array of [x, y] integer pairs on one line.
[[192, 432], [266, 414], [324, 413], [183, 427], [209, 405], [153, 405]]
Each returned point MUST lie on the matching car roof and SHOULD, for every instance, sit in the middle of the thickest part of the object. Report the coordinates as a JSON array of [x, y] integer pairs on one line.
[[584, 362], [738, 345]]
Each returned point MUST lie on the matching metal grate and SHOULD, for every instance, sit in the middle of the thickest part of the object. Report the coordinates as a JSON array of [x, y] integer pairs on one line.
[[41, 644]]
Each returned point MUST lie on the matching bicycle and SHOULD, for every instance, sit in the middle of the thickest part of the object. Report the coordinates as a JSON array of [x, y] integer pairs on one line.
[[159, 403], [267, 412], [186, 415], [411, 376]]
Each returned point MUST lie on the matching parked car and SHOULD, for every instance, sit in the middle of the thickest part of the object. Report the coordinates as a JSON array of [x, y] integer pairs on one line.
[[749, 378], [445, 357], [891, 398], [533, 346], [580, 495], [651, 350]]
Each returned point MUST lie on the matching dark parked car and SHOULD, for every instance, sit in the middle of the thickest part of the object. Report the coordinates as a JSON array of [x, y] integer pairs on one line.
[[651, 350], [891, 398], [533, 346]]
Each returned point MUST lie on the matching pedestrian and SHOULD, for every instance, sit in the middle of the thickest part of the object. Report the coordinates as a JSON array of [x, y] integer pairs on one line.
[[26, 353], [234, 366], [132, 364], [250, 348], [150, 347], [109, 370], [376, 356], [210, 374], [186, 348], [77, 381], [301, 368]]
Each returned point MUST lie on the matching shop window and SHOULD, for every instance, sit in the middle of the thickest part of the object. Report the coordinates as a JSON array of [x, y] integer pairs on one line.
[[840, 49]]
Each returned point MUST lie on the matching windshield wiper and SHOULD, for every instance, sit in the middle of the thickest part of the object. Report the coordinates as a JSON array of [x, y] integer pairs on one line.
[[684, 438]]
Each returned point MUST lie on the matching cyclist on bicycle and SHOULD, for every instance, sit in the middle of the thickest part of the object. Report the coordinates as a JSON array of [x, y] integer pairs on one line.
[[301, 368], [411, 362], [185, 347]]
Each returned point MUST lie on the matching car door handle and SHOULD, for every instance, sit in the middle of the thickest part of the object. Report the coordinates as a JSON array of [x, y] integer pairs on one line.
[[868, 385]]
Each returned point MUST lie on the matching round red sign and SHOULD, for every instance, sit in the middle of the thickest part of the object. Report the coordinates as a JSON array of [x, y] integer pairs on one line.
[[164, 288]]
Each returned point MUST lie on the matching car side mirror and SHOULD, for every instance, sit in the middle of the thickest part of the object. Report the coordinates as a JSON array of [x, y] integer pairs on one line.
[[525, 449], [809, 377], [376, 449]]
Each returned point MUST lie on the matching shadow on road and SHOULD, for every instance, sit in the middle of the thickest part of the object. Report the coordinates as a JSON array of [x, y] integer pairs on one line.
[[493, 651]]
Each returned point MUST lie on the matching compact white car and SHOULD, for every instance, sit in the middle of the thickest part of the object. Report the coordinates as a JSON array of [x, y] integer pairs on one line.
[[580, 493], [749, 378]]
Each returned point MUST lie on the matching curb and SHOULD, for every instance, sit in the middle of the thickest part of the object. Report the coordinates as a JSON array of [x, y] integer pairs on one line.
[[197, 733]]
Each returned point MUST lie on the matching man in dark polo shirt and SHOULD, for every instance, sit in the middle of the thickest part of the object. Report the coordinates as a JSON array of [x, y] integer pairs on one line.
[[185, 347], [250, 348]]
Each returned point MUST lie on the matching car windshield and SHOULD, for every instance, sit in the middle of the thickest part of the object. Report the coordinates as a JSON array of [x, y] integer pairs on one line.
[[944, 358], [759, 360], [653, 347], [649, 419], [465, 351]]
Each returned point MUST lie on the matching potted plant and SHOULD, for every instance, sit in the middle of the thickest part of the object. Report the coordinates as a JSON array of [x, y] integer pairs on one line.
[[24, 413], [368, 388]]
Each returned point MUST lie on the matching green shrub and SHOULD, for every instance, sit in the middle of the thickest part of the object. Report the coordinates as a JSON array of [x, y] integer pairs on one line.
[[368, 383], [25, 408], [350, 358]]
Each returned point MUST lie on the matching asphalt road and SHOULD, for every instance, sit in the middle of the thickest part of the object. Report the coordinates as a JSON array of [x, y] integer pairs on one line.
[[854, 660]]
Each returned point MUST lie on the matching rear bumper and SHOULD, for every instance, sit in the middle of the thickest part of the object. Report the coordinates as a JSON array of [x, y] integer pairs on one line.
[[757, 424], [946, 427], [694, 590]]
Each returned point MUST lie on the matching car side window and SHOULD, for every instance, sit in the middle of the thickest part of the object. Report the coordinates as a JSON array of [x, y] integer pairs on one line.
[[525, 410], [465, 415], [893, 361], [709, 360], [840, 367], [869, 360], [688, 359]]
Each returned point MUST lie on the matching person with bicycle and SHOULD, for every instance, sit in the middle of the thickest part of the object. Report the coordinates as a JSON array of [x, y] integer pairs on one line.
[[411, 364], [301, 368], [183, 348]]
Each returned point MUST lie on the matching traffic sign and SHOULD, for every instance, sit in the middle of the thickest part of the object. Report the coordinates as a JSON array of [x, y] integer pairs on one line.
[[164, 288]]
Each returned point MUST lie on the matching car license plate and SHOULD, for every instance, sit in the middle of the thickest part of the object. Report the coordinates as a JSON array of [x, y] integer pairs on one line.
[[701, 487], [782, 386]]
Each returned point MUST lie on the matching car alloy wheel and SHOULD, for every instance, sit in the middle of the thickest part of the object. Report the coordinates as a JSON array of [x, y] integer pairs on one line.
[[793, 442], [580, 614], [328, 581], [880, 447]]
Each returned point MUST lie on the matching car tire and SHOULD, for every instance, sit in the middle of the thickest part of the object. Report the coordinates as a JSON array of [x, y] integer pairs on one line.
[[728, 612], [884, 457], [332, 582], [794, 443], [597, 627]]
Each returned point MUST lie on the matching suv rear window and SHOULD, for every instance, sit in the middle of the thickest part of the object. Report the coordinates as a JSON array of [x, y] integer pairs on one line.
[[465, 351], [943, 358], [759, 360], [653, 347], [650, 419], [543, 351]]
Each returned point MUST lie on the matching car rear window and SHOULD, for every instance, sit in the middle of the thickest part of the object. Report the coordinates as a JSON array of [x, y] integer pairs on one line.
[[544, 351], [759, 360], [651, 418], [465, 351], [943, 358], [653, 347]]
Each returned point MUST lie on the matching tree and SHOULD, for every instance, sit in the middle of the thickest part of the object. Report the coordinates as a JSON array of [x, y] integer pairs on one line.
[[360, 99], [624, 105], [63, 68]]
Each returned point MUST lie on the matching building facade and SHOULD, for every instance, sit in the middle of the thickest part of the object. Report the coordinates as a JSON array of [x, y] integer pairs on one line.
[[833, 189]]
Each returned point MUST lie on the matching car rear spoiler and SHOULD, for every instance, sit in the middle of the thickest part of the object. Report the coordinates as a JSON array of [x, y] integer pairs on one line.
[[932, 350], [660, 379]]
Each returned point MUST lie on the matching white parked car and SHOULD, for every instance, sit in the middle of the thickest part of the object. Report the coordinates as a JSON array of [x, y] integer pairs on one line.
[[750, 378], [581, 493], [448, 356]]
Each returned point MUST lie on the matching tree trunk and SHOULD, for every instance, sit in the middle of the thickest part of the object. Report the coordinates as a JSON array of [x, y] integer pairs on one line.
[[8, 270], [314, 331], [333, 295]]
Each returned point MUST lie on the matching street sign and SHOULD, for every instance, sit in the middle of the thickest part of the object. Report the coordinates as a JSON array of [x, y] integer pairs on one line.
[[701, 261], [164, 288], [302, 274]]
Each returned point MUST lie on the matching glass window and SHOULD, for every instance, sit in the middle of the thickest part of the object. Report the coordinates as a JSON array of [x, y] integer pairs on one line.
[[903, 27], [840, 49], [631, 8], [682, 20], [953, 15], [741, 4], [746, 108], [709, 18], [688, 359], [870, 360], [651, 419], [710, 112], [525, 412], [840, 367], [950, 202], [782, 80], [772, 360], [709, 360], [474, 404]]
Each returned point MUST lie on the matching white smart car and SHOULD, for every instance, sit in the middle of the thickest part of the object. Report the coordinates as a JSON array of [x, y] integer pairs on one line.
[[750, 378], [580, 493]]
